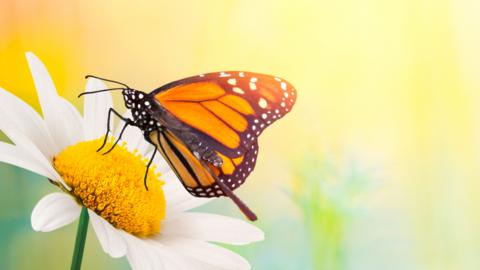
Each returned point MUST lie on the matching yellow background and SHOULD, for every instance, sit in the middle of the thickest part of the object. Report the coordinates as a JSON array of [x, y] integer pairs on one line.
[[391, 85]]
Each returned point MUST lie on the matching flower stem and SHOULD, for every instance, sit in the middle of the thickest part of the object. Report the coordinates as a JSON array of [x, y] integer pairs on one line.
[[80, 241]]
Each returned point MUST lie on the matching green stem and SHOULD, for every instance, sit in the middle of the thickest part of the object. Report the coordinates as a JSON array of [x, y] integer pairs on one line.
[[80, 241]]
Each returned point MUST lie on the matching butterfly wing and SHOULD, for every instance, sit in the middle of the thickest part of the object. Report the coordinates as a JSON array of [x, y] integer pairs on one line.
[[192, 172], [202, 179], [227, 110]]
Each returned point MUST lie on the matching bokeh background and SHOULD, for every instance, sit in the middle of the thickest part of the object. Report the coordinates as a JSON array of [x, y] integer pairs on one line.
[[377, 166]]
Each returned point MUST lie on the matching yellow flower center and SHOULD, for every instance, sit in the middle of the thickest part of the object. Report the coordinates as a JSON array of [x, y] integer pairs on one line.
[[112, 186]]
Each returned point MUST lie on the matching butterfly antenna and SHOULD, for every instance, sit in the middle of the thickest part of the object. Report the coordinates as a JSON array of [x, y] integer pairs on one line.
[[103, 90], [106, 80]]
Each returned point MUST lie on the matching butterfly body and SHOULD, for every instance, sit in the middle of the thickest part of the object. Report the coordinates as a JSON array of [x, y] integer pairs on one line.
[[207, 126], [149, 116]]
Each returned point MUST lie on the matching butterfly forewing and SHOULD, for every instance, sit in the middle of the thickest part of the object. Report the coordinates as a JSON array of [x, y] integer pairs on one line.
[[227, 110]]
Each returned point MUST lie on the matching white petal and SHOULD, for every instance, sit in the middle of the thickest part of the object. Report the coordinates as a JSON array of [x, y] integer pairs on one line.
[[205, 252], [177, 262], [26, 146], [21, 158], [73, 123], [210, 227], [144, 253], [171, 178], [95, 110], [140, 255], [199, 265], [178, 203], [17, 115], [178, 199], [169, 258], [54, 211], [110, 238], [61, 117]]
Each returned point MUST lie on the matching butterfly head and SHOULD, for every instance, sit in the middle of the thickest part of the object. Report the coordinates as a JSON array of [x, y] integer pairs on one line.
[[140, 104], [132, 97]]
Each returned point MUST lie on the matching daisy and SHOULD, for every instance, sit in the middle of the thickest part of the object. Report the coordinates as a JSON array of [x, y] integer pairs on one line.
[[151, 228]]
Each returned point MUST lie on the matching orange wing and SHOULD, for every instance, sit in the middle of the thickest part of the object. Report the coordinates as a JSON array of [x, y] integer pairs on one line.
[[191, 171], [227, 110]]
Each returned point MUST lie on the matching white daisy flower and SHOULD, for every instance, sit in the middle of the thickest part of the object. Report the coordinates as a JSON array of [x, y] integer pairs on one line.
[[151, 228]]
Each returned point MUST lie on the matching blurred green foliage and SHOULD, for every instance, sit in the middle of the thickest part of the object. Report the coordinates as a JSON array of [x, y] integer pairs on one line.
[[327, 196]]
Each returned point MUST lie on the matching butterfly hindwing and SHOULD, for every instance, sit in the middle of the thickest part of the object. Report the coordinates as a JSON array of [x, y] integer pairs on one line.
[[197, 179], [227, 110]]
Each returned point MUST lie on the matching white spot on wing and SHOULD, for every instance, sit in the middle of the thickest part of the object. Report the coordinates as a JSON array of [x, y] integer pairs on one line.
[[241, 74], [253, 79], [238, 90], [253, 86], [232, 81], [283, 85], [223, 74], [262, 103]]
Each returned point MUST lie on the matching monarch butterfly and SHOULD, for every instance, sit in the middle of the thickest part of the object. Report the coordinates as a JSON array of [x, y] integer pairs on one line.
[[206, 126]]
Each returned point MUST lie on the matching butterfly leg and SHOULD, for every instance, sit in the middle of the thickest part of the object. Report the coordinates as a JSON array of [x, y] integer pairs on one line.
[[155, 149], [149, 164], [110, 111], [127, 123]]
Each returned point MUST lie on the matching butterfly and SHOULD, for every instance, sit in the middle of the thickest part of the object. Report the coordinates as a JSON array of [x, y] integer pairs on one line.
[[206, 126]]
